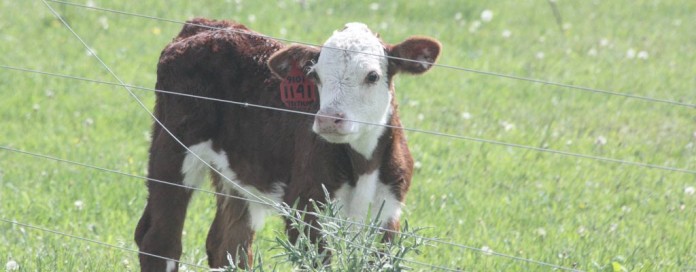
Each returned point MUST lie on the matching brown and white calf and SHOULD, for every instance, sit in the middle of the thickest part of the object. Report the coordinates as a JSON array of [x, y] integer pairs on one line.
[[282, 156]]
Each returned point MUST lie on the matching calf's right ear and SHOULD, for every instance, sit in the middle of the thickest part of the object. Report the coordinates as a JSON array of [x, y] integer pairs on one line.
[[301, 56], [415, 55]]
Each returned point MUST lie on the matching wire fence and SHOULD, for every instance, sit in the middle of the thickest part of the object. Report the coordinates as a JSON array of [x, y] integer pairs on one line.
[[107, 245], [239, 188], [269, 202], [428, 132], [360, 224], [470, 70]]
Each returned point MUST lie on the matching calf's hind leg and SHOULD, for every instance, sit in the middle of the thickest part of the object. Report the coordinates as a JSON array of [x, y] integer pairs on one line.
[[159, 229], [231, 232]]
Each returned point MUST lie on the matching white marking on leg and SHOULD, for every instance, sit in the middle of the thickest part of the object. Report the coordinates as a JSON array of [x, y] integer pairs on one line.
[[194, 173], [363, 193], [368, 195], [384, 199], [171, 265], [257, 211]]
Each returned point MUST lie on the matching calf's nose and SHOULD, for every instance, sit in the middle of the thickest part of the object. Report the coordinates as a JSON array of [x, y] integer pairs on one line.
[[329, 121]]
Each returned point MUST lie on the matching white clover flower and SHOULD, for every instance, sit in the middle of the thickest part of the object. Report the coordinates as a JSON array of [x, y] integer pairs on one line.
[[642, 55], [89, 122], [690, 190], [540, 55], [592, 52], [541, 232], [630, 53], [465, 115], [506, 33], [582, 231], [474, 26], [283, 31], [486, 15], [104, 22], [604, 42], [421, 117], [486, 250], [417, 165], [251, 18], [36, 107], [458, 16], [601, 140], [79, 205], [374, 6], [90, 3], [12, 266], [507, 126]]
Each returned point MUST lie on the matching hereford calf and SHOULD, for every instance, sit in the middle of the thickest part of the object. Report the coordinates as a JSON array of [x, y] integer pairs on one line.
[[281, 156]]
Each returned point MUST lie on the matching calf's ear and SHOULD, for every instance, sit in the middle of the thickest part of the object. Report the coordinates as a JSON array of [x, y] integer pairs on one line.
[[423, 50], [302, 56]]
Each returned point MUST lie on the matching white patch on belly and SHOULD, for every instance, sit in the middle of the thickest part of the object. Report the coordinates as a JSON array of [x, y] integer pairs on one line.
[[194, 172], [368, 196], [171, 265]]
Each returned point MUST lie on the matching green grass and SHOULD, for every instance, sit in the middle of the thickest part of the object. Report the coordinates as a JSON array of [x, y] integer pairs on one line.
[[573, 212]]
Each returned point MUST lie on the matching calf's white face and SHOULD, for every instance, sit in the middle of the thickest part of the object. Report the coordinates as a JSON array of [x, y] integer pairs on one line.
[[353, 76]]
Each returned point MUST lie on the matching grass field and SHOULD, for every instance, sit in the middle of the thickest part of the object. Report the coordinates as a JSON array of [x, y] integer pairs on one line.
[[574, 212]]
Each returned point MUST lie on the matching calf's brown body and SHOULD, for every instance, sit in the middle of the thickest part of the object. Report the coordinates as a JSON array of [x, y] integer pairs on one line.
[[264, 147]]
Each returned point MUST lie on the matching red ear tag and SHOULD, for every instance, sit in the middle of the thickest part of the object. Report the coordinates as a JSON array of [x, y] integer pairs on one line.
[[297, 91]]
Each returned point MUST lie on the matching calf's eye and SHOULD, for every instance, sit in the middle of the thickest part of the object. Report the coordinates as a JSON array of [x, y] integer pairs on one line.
[[372, 77]]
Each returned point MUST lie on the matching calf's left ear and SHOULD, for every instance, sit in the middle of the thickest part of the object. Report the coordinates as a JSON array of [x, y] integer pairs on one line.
[[299, 56], [423, 50]]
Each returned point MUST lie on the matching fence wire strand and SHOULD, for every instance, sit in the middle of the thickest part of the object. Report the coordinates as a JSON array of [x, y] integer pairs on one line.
[[429, 239], [14, 222], [428, 132], [457, 68]]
